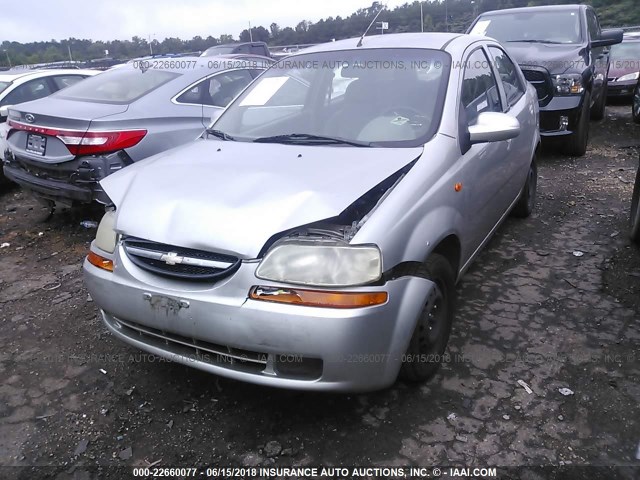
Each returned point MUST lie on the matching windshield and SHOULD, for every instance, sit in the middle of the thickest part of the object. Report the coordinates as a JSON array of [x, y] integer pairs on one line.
[[382, 97], [557, 26], [3, 86], [626, 51], [120, 86]]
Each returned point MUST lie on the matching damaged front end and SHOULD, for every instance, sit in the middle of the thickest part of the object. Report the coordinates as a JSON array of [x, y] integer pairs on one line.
[[321, 254]]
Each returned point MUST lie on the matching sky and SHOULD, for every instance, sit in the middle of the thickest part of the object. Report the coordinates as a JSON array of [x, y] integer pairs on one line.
[[37, 20]]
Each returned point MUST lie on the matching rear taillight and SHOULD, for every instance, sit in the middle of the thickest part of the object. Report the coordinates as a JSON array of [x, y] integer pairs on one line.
[[86, 143]]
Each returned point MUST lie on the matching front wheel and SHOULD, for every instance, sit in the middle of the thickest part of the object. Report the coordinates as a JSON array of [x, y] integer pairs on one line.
[[635, 106], [429, 341], [577, 145], [634, 218]]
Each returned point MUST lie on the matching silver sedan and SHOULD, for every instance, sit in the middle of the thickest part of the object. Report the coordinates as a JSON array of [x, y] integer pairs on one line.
[[314, 239], [62, 145]]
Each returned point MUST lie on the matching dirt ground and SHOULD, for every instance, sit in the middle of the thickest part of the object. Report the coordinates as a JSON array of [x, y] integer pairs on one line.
[[552, 303]]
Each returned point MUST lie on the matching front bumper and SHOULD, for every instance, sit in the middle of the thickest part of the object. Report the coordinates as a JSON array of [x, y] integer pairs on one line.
[[560, 106], [621, 89], [216, 328]]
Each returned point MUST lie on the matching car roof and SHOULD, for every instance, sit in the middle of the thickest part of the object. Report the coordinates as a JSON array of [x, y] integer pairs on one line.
[[543, 8], [191, 64], [430, 40], [13, 75], [237, 44]]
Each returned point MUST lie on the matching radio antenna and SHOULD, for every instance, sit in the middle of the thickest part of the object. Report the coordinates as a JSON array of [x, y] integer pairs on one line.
[[370, 25]]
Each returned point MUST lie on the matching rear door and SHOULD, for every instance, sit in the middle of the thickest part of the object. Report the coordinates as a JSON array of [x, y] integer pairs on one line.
[[515, 104]]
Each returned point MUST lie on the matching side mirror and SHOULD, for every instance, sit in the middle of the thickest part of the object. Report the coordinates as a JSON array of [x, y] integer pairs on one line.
[[494, 127], [608, 37]]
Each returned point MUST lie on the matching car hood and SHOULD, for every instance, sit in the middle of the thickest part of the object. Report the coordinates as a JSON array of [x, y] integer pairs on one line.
[[231, 197], [555, 58]]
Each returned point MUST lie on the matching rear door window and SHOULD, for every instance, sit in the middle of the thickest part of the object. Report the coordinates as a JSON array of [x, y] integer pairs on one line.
[[31, 90], [217, 91]]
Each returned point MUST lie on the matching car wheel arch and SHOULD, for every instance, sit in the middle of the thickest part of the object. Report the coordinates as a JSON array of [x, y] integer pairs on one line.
[[449, 247]]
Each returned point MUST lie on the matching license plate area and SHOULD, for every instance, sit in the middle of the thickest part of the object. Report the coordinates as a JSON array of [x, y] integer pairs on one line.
[[36, 144]]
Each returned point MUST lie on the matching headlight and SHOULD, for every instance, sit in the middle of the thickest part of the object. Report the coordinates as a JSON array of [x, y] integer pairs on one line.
[[322, 264], [106, 236], [628, 76], [568, 84]]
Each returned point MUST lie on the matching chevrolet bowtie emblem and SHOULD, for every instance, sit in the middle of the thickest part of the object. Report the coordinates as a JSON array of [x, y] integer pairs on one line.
[[171, 258]]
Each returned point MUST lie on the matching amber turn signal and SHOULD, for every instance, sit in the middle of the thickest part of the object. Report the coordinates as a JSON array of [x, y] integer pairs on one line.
[[318, 298], [100, 262]]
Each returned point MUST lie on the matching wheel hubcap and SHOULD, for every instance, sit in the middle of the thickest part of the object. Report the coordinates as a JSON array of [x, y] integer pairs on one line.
[[432, 324], [636, 102]]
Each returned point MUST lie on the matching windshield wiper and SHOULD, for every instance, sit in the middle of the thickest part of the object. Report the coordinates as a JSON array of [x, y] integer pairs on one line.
[[219, 134], [309, 139], [526, 40]]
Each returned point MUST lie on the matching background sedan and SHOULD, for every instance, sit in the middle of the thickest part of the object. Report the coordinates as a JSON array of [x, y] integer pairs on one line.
[[62, 146], [23, 85]]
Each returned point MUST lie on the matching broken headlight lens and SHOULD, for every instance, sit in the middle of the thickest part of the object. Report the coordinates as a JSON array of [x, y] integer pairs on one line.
[[322, 264], [106, 236], [568, 84]]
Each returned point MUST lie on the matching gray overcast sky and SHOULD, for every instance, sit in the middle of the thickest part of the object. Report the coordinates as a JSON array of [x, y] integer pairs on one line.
[[35, 20]]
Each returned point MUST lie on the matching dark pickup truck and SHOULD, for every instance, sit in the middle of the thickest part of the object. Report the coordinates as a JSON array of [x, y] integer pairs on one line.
[[563, 52]]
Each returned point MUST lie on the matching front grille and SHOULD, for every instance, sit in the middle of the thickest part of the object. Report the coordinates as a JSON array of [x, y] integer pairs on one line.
[[180, 262], [193, 349], [539, 77]]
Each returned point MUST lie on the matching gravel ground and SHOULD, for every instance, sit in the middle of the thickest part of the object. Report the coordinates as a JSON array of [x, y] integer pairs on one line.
[[543, 363]]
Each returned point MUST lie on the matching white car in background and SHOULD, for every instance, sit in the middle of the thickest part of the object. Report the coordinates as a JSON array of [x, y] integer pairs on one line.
[[23, 85]]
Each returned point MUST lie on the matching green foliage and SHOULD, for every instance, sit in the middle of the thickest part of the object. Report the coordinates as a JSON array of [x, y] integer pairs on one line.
[[438, 15]]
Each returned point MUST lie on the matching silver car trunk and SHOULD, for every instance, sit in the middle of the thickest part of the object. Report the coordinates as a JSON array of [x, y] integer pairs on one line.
[[232, 199], [64, 113]]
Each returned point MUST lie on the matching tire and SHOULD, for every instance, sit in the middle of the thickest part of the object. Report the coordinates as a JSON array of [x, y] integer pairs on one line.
[[598, 110], [527, 200], [635, 104], [429, 340], [578, 141], [634, 217]]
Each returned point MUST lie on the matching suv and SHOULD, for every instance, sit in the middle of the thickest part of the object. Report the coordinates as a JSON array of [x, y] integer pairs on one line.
[[561, 50], [248, 48]]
